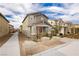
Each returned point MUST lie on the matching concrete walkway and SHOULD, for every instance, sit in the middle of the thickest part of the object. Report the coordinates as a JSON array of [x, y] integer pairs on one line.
[[70, 48], [11, 47]]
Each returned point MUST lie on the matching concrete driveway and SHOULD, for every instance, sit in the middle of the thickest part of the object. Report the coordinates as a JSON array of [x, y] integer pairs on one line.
[[70, 48]]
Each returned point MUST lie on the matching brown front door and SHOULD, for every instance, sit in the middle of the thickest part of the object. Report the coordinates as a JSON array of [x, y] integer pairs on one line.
[[39, 30]]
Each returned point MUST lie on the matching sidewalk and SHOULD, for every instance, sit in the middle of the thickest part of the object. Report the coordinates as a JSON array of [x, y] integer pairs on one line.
[[11, 47]]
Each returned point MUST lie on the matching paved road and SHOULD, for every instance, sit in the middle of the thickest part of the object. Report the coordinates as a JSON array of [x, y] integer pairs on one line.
[[11, 47], [70, 48]]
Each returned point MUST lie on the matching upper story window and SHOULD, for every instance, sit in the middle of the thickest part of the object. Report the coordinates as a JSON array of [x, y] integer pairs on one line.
[[42, 18], [31, 17], [34, 17]]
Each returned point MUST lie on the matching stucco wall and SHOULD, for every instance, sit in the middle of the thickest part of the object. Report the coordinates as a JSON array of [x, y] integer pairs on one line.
[[4, 26]]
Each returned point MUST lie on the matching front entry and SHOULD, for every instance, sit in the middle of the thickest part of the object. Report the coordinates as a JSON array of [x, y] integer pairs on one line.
[[40, 31]]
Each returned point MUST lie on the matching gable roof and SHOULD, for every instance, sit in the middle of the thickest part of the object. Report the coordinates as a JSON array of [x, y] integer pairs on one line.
[[4, 17], [37, 13]]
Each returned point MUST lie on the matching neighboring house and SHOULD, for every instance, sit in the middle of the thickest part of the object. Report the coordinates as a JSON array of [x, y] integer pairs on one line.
[[61, 26], [4, 26], [57, 24], [54, 24], [11, 28], [75, 28], [35, 24], [66, 28]]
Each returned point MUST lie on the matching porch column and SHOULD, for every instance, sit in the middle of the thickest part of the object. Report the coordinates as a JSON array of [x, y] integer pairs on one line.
[[74, 30], [69, 30], [42, 29], [30, 30]]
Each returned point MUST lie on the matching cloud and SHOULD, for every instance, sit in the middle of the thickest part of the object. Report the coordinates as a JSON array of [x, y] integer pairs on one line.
[[15, 24], [13, 7], [66, 11], [71, 8], [16, 11], [28, 8], [5, 11]]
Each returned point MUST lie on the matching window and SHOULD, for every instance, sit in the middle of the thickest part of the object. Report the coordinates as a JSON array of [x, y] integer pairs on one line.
[[41, 18]]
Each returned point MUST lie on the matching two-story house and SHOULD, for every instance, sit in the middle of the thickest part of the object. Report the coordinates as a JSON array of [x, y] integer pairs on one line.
[[61, 26], [35, 24]]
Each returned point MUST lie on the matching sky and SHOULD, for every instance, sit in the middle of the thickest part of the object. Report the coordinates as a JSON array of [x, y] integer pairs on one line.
[[16, 12]]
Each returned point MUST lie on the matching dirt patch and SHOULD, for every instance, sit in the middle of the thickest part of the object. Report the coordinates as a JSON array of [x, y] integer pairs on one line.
[[35, 49], [29, 47], [51, 43], [41, 46], [22, 38]]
